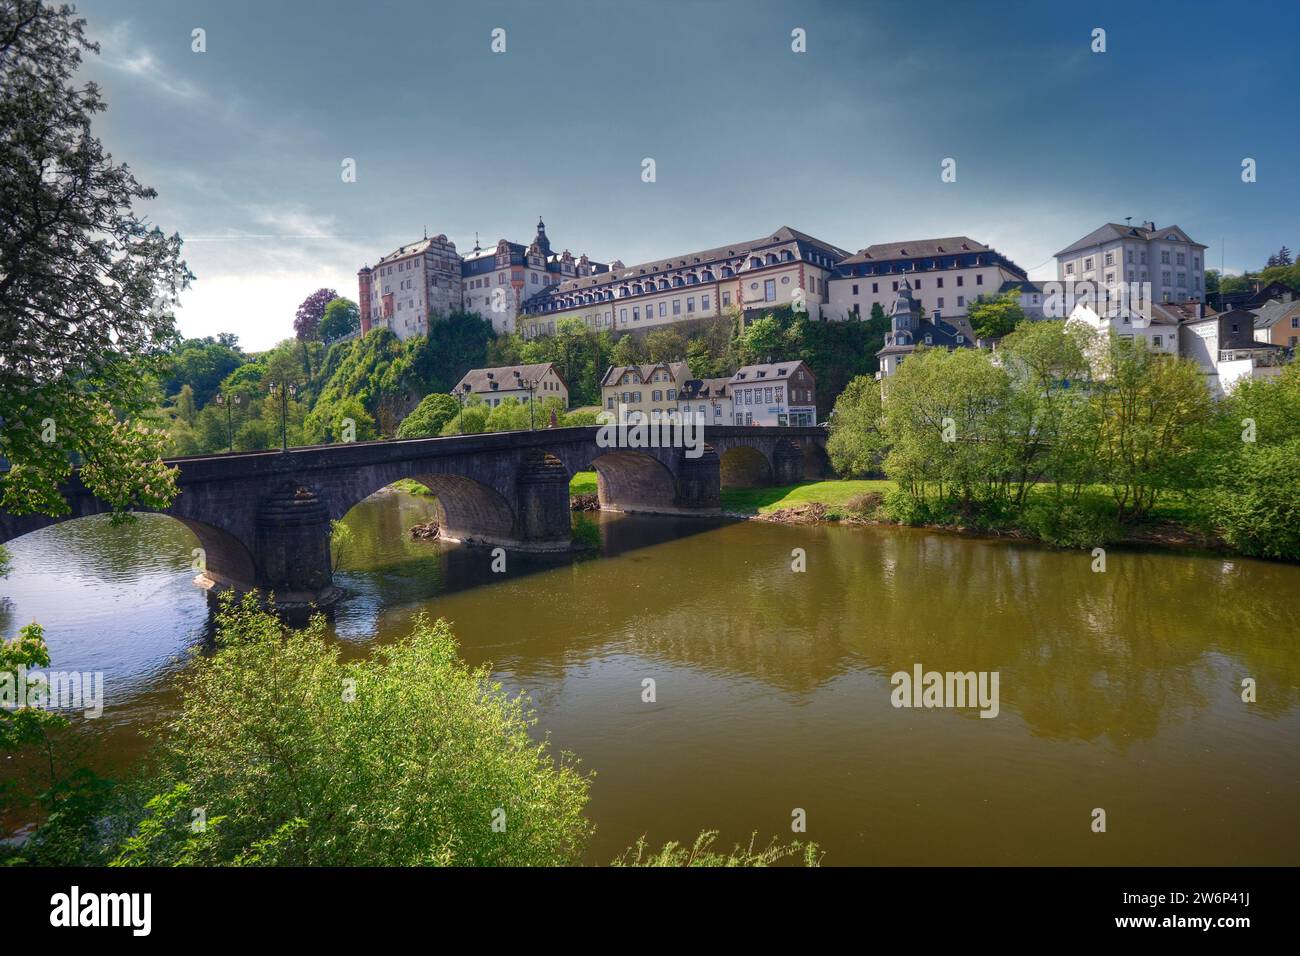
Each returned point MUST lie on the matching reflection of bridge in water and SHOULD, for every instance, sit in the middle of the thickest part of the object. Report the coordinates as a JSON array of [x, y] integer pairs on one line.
[[263, 518]]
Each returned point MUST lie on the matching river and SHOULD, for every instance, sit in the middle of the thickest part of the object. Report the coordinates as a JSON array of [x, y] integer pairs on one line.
[[1119, 690]]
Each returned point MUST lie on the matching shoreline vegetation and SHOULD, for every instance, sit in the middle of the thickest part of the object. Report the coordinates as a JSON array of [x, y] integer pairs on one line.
[[857, 501]]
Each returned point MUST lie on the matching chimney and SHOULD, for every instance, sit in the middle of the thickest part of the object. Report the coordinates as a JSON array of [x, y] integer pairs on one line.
[[1149, 226]]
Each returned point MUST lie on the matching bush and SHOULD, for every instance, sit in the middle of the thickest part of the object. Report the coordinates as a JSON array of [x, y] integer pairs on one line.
[[1069, 525], [300, 758], [1257, 511]]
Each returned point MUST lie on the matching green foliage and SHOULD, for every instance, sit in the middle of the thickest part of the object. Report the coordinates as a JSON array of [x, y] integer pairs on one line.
[[701, 853], [429, 417], [470, 420], [328, 421], [342, 317], [1071, 524], [997, 315], [303, 759], [857, 443], [1258, 511], [202, 364]]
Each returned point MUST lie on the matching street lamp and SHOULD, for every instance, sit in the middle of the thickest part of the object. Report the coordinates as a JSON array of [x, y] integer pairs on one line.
[[285, 390], [229, 405], [531, 385]]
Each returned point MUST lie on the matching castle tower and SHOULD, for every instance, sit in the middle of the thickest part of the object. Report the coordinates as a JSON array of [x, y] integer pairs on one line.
[[363, 289]]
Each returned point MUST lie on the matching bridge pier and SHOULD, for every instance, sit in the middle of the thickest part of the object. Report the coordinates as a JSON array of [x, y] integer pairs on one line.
[[292, 549], [699, 483], [787, 464], [542, 513]]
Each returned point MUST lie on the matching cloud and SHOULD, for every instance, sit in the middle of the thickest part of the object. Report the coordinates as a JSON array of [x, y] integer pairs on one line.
[[118, 52]]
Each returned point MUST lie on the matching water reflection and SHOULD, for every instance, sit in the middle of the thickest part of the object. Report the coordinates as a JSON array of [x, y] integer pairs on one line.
[[1119, 689]]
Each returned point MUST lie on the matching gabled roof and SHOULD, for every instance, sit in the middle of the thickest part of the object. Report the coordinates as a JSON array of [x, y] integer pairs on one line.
[[506, 377], [719, 254], [1112, 231], [677, 371], [704, 388], [767, 372], [923, 248], [1274, 311]]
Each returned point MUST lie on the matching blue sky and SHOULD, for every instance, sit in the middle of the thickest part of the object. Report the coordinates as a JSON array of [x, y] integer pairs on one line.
[[244, 141]]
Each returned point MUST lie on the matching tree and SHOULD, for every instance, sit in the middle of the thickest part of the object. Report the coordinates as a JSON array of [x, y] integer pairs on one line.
[[665, 345], [419, 760], [628, 350], [857, 442], [428, 418], [997, 316], [86, 284], [306, 323], [1153, 411], [342, 317], [762, 341], [185, 409]]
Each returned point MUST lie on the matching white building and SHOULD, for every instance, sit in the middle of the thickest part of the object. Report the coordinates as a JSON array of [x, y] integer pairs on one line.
[[1122, 253], [494, 385], [945, 275], [782, 268], [1223, 344], [429, 278], [1157, 327], [775, 393], [708, 399]]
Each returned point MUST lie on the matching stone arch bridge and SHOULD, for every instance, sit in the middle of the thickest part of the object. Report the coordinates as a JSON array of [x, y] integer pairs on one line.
[[263, 518]]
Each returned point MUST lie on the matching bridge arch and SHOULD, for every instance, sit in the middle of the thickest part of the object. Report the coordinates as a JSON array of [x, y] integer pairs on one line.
[[469, 510], [743, 466], [631, 480]]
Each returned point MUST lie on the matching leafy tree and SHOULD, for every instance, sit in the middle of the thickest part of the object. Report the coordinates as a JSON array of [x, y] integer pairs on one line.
[[85, 283], [629, 350], [185, 409], [306, 323], [996, 316], [763, 341], [1154, 412], [440, 767], [878, 313], [470, 420], [857, 442], [429, 417], [665, 345], [342, 317], [201, 364], [328, 421]]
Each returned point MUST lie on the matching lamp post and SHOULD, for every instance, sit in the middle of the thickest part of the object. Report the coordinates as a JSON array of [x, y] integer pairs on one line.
[[229, 405], [285, 390], [531, 385]]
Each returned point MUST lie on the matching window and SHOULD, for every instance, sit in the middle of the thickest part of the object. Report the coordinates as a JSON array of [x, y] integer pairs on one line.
[[610, 402], [875, 287], [636, 314], [672, 394], [726, 298], [1164, 258], [1069, 271], [1110, 258], [690, 304], [961, 301], [767, 395], [1181, 259], [778, 393], [769, 290], [940, 302], [622, 315], [1157, 341], [656, 396], [704, 303], [1087, 264], [677, 306], [663, 310], [855, 288], [979, 279]]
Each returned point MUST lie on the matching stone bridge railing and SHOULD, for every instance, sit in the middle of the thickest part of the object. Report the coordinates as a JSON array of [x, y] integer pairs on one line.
[[262, 518]]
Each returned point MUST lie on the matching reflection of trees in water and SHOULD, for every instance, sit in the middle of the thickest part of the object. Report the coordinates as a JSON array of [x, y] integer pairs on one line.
[[1081, 655], [95, 546]]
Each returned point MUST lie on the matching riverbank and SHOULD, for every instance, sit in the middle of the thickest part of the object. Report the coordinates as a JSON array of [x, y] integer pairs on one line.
[[861, 502]]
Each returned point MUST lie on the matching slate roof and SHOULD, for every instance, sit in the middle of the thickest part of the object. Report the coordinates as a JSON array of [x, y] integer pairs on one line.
[[886, 251], [677, 370], [1114, 230], [767, 372], [507, 377], [1274, 311], [703, 388]]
